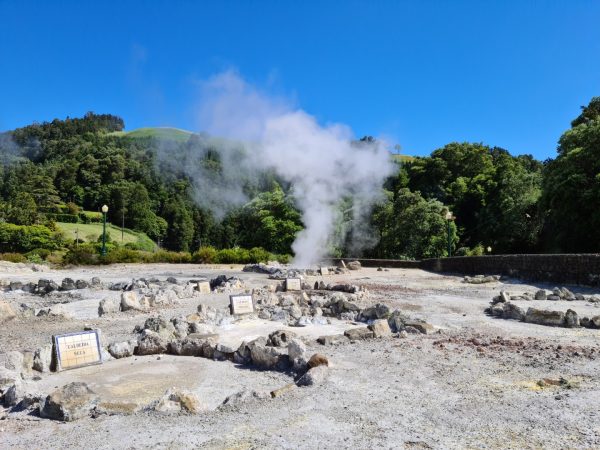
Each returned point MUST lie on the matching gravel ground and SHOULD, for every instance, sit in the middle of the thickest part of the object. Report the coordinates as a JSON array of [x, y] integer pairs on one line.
[[472, 384]]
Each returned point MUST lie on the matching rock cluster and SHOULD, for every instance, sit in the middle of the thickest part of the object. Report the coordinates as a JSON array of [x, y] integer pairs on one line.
[[555, 295], [481, 279], [501, 306], [44, 286]]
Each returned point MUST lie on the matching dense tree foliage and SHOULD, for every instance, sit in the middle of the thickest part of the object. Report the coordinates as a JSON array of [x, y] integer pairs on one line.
[[66, 169]]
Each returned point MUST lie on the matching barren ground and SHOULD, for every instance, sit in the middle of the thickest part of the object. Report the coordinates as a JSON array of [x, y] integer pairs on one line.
[[472, 384]]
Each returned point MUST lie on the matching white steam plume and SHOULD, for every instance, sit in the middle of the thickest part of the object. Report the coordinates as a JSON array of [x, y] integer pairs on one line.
[[321, 162]]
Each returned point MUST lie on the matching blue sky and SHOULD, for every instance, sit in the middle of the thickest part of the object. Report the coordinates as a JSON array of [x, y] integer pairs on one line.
[[422, 73]]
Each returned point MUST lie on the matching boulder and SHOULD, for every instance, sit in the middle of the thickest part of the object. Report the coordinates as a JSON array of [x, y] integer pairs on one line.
[[96, 282], [82, 284], [109, 306], [177, 400], [545, 317], [12, 361], [355, 334], [267, 357], [332, 339], [571, 319], [595, 321], [68, 284], [131, 301], [317, 360], [353, 265], [504, 296], [280, 338], [380, 328], [314, 376], [7, 312], [192, 345], [378, 311], [151, 343], [397, 321], [540, 295], [42, 359], [46, 286], [422, 327], [162, 326], [122, 349], [71, 402], [14, 394], [512, 311], [244, 396], [15, 285], [296, 349]]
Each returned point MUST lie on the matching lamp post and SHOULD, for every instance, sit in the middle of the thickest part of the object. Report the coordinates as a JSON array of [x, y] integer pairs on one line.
[[449, 217], [104, 211]]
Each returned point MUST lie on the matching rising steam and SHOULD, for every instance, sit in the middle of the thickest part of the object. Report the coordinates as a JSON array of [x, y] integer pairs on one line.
[[322, 163]]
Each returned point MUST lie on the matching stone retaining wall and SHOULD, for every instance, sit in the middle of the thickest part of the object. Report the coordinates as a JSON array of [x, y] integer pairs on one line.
[[581, 269]]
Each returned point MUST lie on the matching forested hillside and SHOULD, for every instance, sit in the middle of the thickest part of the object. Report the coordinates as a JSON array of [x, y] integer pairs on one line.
[[65, 170]]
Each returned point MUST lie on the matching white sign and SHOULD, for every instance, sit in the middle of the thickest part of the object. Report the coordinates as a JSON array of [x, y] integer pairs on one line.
[[204, 287], [241, 304], [293, 284], [324, 271], [77, 349]]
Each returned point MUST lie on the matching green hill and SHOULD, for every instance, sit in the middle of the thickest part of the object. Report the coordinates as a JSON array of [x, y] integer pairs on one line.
[[91, 232], [166, 133], [402, 158]]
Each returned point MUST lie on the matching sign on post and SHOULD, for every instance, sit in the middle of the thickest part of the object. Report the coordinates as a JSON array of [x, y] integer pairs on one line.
[[293, 284], [77, 349], [241, 304], [324, 270]]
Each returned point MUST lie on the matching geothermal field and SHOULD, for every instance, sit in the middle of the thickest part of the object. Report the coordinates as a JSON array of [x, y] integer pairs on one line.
[[329, 357]]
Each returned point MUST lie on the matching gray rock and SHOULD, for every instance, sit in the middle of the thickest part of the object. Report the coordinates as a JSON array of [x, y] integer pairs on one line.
[[545, 317], [47, 286], [397, 321], [162, 326], [504, 296], [335, 339], [354, 265], [14, 394], [303, 321], [176, 400], [96, 282], [380, 328], [267, 357], [378, 311], [296, 349], [315, 376], [122, 349], [191, 345], [571, 319], [280, 338], [7, 312], [82, 284], [208, 349], [181, 327], [109, 306], [15, 285], [151, 343], [71, 402], [595, 321], [512, 311], [422, 327], [355, 334], [243, 355], [68, 284], [540, 295], [42, 359], [554, 298], [131, 301], [13, 361], [244, 396]]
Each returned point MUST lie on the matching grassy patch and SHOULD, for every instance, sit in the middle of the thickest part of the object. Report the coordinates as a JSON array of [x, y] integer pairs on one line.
[[91, 232], [173, 134]]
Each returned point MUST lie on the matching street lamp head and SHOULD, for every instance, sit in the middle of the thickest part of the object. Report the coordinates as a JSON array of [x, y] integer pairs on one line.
[[448, 215], [105, 209]]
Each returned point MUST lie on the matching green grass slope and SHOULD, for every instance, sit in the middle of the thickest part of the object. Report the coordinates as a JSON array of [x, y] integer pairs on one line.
[[91, 232], [165, 133]]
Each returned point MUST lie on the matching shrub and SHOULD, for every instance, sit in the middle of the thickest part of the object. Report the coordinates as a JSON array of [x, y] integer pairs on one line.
[[84, 254], [234, 255], [13, 257], [205, 255], [41, 252], [68, 218], [24, 238]]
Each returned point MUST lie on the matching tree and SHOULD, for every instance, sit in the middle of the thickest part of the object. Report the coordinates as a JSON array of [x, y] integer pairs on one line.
[[571, 187], [22, 210]]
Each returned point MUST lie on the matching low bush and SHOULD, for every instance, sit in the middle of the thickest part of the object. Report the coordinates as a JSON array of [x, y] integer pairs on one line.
[[205, 255], [24, 238], [236, 255], [13, 257]]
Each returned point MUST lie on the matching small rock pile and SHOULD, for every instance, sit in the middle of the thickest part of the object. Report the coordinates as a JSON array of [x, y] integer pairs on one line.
[[501, 306], [44, 286], [481, 279]]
